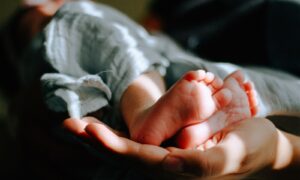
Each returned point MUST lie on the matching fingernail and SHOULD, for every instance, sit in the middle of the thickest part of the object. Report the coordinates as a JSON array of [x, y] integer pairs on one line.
[[173, 164]]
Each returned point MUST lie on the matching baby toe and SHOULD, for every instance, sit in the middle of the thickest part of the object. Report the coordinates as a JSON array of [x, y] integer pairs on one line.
[[216, 84], [209, 78], [238, 76], [252, 97], [198, 75]]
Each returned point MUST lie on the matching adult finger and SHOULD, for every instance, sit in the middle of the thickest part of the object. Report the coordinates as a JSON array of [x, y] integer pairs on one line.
[[196, 134], [90, 120], [193, 162], [239, 153], [76, 127], [146, 154], [221, 160]]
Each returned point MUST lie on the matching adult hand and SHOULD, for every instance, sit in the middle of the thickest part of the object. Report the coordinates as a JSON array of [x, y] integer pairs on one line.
[[115, 141], [246, 147], [148, 157]]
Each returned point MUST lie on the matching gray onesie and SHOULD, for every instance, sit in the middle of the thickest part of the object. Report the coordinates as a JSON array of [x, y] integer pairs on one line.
[[95, 52]]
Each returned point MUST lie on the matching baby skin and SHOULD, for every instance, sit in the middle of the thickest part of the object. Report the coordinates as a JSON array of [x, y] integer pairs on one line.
[[243, 105], [193, 108]]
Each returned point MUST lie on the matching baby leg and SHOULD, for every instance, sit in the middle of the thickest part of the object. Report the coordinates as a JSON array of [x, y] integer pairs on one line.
[[194, 98], [141, 94]]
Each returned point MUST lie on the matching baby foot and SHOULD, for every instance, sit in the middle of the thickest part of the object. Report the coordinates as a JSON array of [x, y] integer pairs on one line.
[[242, 106], [194, 98]]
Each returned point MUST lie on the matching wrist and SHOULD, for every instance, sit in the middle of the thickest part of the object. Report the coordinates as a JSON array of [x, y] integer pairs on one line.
[[295, 142], [285, 155]]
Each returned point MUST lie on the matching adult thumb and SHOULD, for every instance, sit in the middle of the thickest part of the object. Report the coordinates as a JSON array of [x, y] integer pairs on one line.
[[195, 163]]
